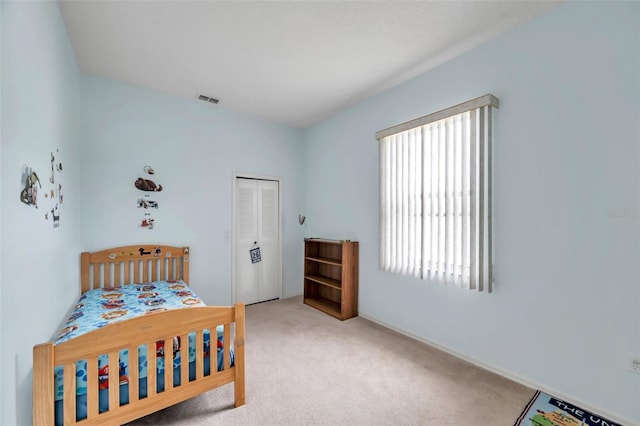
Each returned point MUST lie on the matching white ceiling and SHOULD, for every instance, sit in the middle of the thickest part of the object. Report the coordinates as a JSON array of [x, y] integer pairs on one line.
[[293, 62]]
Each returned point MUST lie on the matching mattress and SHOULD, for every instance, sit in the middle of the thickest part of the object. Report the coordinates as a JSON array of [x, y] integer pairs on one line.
[[100, 307]]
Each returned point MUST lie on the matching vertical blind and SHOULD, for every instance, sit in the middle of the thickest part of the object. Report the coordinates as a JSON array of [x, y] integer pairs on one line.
[[435, 196]]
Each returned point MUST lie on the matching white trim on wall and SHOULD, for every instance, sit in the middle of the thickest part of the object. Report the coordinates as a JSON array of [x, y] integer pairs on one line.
[[514, 377]]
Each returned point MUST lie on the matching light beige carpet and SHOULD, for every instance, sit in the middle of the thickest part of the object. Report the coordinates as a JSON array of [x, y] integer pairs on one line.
[[304, 367]]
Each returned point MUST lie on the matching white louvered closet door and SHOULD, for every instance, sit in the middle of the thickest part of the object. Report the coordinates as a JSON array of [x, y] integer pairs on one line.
[[257, 219]]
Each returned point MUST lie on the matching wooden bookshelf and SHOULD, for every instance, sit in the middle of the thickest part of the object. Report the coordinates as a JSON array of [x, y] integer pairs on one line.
[[331, 276]]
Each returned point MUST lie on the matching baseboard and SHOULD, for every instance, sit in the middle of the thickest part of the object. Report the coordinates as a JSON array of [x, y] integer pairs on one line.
[[511, 376]]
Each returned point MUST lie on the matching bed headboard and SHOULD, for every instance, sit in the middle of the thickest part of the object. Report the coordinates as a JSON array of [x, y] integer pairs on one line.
[[133, 265]]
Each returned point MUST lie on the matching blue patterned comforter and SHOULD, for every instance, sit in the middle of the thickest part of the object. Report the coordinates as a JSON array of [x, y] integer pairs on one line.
[[99, 307]]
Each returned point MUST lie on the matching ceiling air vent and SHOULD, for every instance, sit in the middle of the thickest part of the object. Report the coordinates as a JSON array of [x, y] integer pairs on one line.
[[208, 99]]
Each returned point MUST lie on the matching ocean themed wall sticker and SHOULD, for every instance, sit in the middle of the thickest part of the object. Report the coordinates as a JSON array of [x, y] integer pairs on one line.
[[147, 184]]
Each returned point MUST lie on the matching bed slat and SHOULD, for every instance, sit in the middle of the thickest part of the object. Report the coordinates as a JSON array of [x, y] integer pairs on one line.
[[114, 380], [226, 336], [107, 275], [168, 364], [136, 271], [127, 272], [200, 355], [184, 359], [92, 387], [151, 370], [96, 276], [134, 392], [162, 263], [151, 264], [69, 395], [145, 271], [177, 270]]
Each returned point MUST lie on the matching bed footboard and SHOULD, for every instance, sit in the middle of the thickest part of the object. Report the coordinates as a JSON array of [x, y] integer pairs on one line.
[[132, 334]]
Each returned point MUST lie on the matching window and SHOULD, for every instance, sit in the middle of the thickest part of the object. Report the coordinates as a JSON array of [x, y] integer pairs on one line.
[[435, 196]]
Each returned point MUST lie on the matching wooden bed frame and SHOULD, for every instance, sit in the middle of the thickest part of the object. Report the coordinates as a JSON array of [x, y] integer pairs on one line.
[[129, 265]]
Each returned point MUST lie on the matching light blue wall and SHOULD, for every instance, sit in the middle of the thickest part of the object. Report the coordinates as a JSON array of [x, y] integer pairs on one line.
[[39, 264], [565, 312], [194, 148]]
